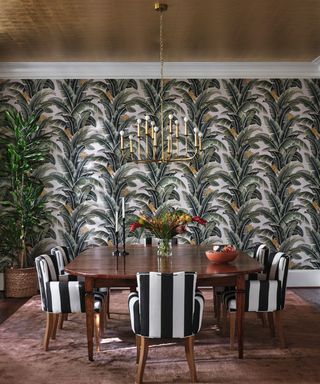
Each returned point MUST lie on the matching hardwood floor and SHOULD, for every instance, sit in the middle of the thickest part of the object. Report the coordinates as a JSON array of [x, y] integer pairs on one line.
[[9, 306]]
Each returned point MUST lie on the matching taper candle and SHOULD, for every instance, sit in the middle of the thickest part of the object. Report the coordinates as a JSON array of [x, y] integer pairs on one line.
[[131, 143], [123, 209], [117, 228]]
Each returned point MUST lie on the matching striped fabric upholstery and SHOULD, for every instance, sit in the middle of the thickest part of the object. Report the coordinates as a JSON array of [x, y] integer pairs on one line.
[[60, 296], [166, 305], [267, 294], [60, 260], [261, 254]]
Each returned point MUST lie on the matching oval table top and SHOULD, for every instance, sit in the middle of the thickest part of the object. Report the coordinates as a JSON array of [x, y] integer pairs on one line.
[[99, 262]]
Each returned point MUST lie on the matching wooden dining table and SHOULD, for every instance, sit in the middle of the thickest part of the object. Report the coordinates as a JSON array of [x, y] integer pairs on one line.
[[100, 268]]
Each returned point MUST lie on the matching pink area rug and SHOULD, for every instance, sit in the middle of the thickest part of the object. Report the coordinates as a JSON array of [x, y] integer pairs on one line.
[[22, 359]]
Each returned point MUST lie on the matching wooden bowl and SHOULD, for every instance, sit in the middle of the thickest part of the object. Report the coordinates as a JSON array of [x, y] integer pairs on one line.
[[221, 257]]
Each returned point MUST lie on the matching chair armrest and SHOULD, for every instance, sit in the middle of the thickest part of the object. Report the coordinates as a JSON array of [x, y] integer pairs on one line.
[[198, 311], [133, 304], [66, 277]]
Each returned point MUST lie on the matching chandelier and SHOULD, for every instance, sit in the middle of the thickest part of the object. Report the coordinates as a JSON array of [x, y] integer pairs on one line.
[[171, 142]]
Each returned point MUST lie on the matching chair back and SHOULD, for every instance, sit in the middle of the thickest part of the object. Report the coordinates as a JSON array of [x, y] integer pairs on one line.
[[61, 259], [166, 303], [261, 254], [278, 270], [46, 271]]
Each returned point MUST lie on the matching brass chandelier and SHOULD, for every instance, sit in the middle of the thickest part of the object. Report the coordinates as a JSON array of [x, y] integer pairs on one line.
[[170, 137]]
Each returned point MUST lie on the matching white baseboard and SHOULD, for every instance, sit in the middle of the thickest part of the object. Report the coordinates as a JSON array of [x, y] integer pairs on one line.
[[296, 278], [304, 278]]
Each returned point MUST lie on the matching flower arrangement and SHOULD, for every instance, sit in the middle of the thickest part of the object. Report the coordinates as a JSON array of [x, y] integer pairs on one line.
[[166, 224]]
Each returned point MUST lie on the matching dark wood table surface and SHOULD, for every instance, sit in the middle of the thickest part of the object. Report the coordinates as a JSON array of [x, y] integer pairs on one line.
[[101, 269]]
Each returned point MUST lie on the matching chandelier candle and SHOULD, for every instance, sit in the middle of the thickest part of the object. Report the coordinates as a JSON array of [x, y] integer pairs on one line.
[[148, 146]]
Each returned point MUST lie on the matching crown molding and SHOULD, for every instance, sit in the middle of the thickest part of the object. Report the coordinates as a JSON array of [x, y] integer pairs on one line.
[[150, 70]]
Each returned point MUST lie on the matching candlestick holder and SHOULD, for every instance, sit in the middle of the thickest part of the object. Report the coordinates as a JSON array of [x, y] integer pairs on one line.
[[124, 252], [117, 252]]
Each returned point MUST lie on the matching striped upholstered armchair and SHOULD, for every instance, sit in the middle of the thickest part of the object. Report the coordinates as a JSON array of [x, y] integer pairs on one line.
[[265, 294], [62, 297], [62, 258], [165, 306]]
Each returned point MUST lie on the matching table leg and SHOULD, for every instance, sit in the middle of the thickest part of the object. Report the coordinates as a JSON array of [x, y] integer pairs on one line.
[[240, 284], [89, 283]]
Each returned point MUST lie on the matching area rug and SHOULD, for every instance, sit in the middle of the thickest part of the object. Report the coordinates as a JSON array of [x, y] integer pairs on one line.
[[22, 359]]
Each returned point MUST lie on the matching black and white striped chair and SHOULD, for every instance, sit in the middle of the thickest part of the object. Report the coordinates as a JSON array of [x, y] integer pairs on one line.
[[261, 254], [62, 259], [264, 295], [166, 305], [62, 297]]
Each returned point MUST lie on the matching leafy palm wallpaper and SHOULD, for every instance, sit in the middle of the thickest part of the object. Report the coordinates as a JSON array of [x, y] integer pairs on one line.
[[258, 179]]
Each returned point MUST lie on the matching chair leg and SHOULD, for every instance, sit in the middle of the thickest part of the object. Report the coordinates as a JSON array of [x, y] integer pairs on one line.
[[279, 327], [102, 322], [224, 319], [271, 324], [138, 344], [144, 347], [261, 316], [97, 330], [232, 319], [62, 318], [108, 304], [48, 331], [56, 317], [216, 305], [189, 347]]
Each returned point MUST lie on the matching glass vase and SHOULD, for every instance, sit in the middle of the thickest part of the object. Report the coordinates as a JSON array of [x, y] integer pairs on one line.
[[164, 248]]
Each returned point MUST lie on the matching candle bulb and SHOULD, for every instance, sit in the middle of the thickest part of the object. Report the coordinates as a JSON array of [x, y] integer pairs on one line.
[[123, 209], [155, 142], [147, 118], [152, 129], [117, 228], [170, 124], [185, 126], [122, 140]]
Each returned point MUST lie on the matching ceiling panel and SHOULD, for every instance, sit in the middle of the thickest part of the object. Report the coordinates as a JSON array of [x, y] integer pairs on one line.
[[128, 30]]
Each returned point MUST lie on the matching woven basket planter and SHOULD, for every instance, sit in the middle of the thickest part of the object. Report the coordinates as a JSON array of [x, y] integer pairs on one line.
[[20, 282]]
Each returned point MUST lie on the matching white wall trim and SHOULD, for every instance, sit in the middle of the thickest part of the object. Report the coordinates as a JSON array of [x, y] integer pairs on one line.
[[149, 70], [303, 278], [296, 278]]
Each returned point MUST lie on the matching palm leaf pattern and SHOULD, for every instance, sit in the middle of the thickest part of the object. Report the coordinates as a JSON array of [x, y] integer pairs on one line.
[[258, 178]]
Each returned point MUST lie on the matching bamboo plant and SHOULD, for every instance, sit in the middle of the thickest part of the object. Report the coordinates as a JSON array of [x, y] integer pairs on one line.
[[23, 214]]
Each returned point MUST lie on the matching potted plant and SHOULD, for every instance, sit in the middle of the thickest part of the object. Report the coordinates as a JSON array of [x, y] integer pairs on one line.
[[23, 214]]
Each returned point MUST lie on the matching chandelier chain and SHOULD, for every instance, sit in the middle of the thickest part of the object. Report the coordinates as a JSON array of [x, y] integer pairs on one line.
[[161, 84]]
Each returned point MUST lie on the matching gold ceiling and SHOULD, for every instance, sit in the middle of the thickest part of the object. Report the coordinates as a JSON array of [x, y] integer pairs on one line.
[[128, 30]]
